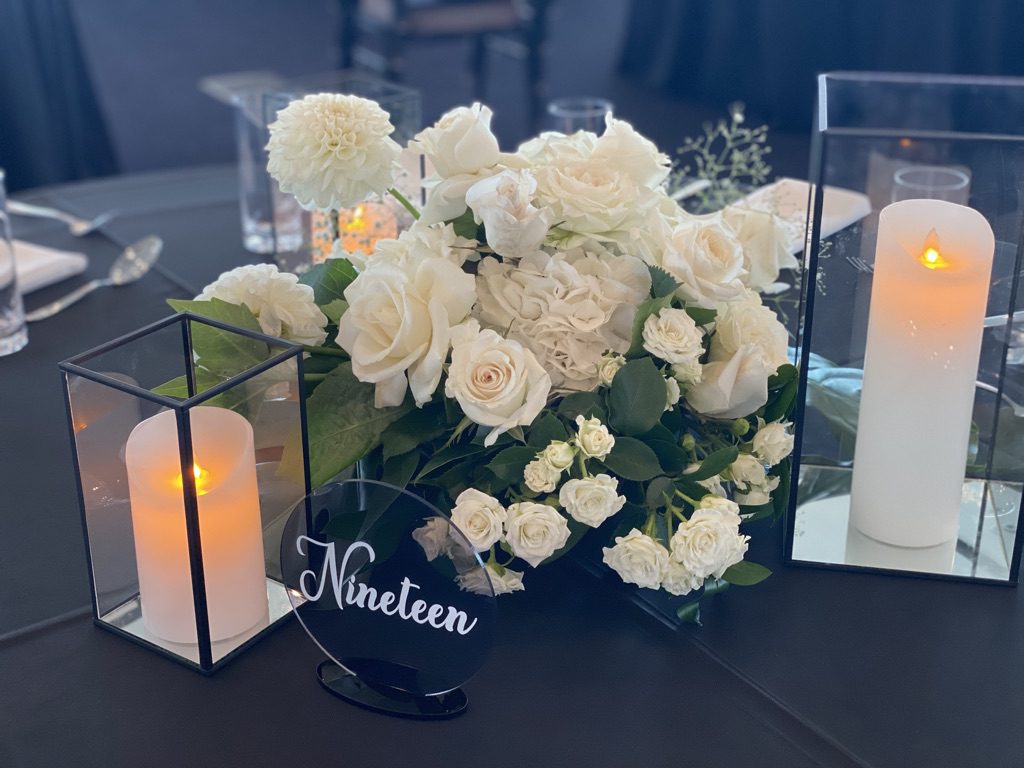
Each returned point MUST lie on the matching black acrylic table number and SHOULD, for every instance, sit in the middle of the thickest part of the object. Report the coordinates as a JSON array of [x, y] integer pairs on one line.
[[392, 593]]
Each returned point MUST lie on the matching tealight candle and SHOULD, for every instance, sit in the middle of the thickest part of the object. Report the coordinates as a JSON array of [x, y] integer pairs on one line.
[[227, 496], [357, 229], [933, 263]]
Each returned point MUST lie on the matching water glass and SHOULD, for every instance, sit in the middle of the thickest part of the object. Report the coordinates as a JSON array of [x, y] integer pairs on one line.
[[13, 331], [932, 182], [578, 113]]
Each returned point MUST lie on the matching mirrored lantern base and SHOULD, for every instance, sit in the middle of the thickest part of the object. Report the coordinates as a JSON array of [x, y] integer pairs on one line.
[[983, 549], [127, 619], [387, 700]]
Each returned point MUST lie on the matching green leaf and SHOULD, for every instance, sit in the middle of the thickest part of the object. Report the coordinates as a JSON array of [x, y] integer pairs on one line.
[[746, 574], [689, 613], [754, 512], [636, 398], [545, 430], [662, 283], [780, 496], [343, 423], [714, 463], [783, 375], [465, 225], [701, 315], [645, 310], [399, 470], [659, 488], [671, 456], [632, 459], [223, 353], [780, 405], [416, 428], [508, 465], [329, 280], [334, 310], [446, 456], [586, 404]]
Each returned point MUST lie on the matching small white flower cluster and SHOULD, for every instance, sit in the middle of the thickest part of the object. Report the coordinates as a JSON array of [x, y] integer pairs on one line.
[[703, 546]]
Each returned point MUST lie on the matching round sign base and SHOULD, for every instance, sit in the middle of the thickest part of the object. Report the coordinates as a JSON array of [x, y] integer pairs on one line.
[[387, 700]]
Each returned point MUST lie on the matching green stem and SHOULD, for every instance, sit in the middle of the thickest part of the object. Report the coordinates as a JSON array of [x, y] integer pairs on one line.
[[687, 499], [649, 525], [405, 203], [328, 351], [311, 377]]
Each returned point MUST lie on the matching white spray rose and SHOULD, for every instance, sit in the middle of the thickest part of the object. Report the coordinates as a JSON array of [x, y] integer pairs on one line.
[[591, 500], [398, 324], [540, 476], [534, 531], [713, 484], [332, 151], [559, 454], [748, 323], [709, 542], [608, 367], [678, 580], [497, 382], [756, 495], [593, 438], [503, 204], [638, 559], [728, 509], [460, 142], [688, 373], [773, 442], [732, 388], [747, 471], [284, 307], [479, 517], [765, 245], [673, 336], [672, 393]]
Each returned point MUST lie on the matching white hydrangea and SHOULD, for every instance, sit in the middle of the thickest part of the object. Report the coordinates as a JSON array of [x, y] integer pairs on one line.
[[332, 151], [284, 307]]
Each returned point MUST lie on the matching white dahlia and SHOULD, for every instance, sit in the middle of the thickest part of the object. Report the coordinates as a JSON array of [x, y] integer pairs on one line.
[[332, 151]]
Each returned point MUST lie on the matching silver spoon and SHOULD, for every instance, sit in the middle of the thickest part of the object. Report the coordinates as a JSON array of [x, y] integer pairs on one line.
[[76, 225], [133, 263]]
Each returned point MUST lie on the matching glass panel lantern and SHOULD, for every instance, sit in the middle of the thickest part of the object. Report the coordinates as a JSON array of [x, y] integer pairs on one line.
[[189, 445], [911, 419], [359, 227]]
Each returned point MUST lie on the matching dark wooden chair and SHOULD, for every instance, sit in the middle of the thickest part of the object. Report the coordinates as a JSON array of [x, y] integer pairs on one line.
[[374, 34]]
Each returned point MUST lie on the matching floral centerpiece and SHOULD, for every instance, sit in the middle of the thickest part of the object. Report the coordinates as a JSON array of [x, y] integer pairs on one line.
[[553, 347]]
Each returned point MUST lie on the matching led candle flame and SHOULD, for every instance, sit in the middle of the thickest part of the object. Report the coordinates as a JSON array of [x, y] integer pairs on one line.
[[920, 365], [231, 538]]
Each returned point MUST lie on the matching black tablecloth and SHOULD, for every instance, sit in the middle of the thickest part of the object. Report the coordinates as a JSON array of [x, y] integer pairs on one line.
[[809, 668]]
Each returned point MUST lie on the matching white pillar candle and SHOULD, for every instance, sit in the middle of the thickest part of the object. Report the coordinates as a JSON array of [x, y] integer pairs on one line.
[[933, 264], [229, 524]]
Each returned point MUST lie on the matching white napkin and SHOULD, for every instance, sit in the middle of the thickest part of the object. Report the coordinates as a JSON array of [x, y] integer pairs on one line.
[[38, 266]]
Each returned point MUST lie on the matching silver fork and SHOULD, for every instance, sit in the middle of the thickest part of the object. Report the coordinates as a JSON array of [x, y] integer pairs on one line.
[[860, 265], [76, 225]]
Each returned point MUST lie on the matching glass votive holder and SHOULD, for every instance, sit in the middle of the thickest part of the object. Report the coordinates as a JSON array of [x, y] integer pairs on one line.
[[578, 113], [931, 182]]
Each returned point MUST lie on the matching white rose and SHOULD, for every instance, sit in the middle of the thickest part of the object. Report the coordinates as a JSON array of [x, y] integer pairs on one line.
[[559, 454], [497, 382], [673, 336], [702, 253], [540, 476], [593, 438], [534, 532], [678, 580], [446, 198], [620, 146], [708, 543], [502, 203], [416, 244], [552, 147], [713, 484], [687, 373], [765, 245], [460, 141], [733, 388], [756, 495], [398, 324], [747, 471], [591, 500], [479, 517], [609, 366], [748, 323], [284, 307], [434, 537], [332, 151], [773, 442], [638, 559], [672, 393], [729, 510]]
